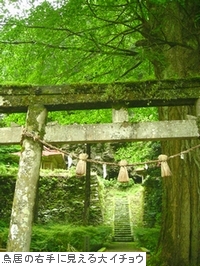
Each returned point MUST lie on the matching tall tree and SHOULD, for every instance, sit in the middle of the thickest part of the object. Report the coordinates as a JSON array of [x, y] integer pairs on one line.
[[172, 33]]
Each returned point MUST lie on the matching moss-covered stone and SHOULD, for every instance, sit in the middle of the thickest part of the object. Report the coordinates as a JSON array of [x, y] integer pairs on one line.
[[27, 180], [17, 98], [60, 198]]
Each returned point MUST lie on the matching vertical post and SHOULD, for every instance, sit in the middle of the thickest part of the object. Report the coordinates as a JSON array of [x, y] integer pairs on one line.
[[87, 190], [19, 238], [120, 115], [197, 107], [197, 113]]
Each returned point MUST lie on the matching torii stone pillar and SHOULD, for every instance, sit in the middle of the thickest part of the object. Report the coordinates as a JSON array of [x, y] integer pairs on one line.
[[198, 107], [197, 113], [26, 185], [120, 115]]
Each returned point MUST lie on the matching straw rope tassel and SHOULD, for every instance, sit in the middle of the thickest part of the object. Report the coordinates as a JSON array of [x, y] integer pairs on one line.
[[165, 170], [123, 173], [81, 165]]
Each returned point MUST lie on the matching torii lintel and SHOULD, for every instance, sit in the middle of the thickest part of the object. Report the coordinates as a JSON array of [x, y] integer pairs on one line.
[[174, 92]]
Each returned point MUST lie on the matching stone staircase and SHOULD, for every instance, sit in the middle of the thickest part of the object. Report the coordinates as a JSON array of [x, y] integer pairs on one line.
[[95, 201], [122, 228]]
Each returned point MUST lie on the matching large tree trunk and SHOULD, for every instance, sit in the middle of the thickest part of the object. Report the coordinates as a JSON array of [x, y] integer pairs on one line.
[[175, 42], [180, 233]]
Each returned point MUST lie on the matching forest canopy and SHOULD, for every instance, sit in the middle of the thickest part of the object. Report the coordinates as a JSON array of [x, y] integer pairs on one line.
[[75, 41]]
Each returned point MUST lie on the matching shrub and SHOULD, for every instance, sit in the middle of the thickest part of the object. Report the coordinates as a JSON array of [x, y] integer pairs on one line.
[[147, 237], [152, 201], [3, 234]]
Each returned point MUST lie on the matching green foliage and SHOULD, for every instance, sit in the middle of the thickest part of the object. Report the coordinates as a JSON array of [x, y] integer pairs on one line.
[[114, 187], [81, 116], [60, 198], [87, 116], [139, 151], [7, 186], [147, 237], [56, 238], [145, 114], [18, 118], [134, 152], [114, 184], [3, 234], [109, 183], [152, 201], [3, 169], [8, 170], [124, 186], [77, 40], [58, 204], [156, 259], [6, 158]]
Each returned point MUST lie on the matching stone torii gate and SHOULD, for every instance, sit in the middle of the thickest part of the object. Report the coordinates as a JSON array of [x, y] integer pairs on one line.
[[38, 100]]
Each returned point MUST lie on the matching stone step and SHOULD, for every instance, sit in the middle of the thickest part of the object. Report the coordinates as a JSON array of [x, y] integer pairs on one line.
[[123, 239], [122, 215], [122, 220], [122, 234], [122, 226], [121, 206], [118, 212], [123, 230], [119, 234], [119, 226]]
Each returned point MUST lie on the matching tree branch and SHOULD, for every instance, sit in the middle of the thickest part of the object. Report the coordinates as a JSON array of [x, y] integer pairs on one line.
[[117, 51], [109, 21], [130, 69]]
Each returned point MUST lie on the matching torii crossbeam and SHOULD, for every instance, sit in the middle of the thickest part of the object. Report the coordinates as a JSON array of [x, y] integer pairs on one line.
[[99, 96]]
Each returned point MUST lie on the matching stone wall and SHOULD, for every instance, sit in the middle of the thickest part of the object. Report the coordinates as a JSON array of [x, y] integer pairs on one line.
[[60, 198]]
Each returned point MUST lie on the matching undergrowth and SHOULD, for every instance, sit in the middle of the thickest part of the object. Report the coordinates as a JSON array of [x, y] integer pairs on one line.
[[147, 237], [58, 237]]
